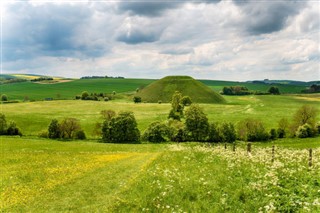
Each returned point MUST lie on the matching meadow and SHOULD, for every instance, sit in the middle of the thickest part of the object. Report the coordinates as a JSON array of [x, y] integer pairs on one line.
[[43, 175], [40, 174]]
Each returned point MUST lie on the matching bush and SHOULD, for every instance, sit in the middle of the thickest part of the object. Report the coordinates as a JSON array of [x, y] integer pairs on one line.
[[121, 129], [273, 134], [228, 132], [176, 111], [177, 131], [3, 124], [54, 129], [305, 131], [13, 129], [43, 134], [186, 101], [84, 95], [214, 133], [68, 128], [137, 99], [157, 132], [4, 97], [78, 97], [274, 90], [252, 130], [282, 130], [80, 135]]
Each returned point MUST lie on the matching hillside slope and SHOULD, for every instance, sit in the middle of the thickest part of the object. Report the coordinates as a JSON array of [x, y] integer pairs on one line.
[[163, 89]]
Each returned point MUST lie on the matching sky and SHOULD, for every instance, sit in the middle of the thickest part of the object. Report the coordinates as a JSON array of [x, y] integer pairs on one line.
[[236, 40]]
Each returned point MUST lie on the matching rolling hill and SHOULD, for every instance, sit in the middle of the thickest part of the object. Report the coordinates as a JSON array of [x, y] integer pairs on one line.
[[163, 89]]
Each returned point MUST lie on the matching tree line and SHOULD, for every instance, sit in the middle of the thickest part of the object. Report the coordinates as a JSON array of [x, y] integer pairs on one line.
[[242, 90]]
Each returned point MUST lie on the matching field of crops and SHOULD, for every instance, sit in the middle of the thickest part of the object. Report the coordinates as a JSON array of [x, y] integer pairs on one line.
[[41, 175]]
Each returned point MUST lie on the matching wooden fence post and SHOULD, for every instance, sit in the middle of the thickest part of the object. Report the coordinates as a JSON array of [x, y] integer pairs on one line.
[[310, 157], [249, 148], [225, 145], [234, 147], [272, 154]]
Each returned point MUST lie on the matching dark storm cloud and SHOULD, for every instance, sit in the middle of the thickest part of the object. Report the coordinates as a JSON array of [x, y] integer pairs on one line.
[[268, 16], [47, 29], [147, 8]]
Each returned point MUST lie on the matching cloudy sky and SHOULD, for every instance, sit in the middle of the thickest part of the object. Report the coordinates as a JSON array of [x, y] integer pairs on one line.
[[211, 39]]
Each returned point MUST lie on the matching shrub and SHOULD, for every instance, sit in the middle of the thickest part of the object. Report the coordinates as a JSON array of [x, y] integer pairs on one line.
[[106, 99], [157, 132], [121, 129], [84, 95], [186, 101], [214, 133], [177, 131], [78, 97], [54, 129], [274, 90], [137, 99], [305, 131], [43, 134], [3, 124], [228, 132], [68, 128], [4, 97], [282, 130], [80, 135], [196, 123], [273, 134], [176, 112], [13, 129], [252, 130]]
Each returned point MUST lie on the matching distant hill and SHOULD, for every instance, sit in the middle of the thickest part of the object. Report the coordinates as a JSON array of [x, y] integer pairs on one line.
[[163, 89]]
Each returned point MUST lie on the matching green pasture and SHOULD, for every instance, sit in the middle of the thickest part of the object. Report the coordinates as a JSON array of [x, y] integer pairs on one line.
[[68, 90], [41, 175], [34, 117]]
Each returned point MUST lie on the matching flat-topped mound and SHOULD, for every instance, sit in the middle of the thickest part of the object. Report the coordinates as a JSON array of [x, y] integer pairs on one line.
[[163, 89]]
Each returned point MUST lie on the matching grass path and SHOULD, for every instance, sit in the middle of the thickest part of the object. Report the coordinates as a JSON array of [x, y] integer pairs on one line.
[[34, 179]]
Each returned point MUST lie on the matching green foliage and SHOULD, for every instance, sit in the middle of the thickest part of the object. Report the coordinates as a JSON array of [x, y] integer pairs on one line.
[[54, 129], [165, 88], [3, 124], [121, 129], [273, 134], [4, 97], [68, 128], [177, 131], [228, 132], [176, 111], [306, 114], [13, 129], [252, 130], [137, 99], [236, 90], [186, 101], [305, 131], [196, 122], [157, 132], [282, 130], [214, 133], [84, 95], [274, 90], [80, 134]]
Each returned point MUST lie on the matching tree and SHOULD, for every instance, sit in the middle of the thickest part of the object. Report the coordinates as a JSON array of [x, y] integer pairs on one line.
[[13, 129], [84, 95], [186, 101], [282, 130], [252, 130], [228, 133], [3, 124], [80, 134], [4, 97], [177, 108], [305, 131], [137, 99], [68, 127], [196, 123], [121, 129], [273, 134], [274, 90], [214, 133], [305, 115], [54, 129], [157, 132]]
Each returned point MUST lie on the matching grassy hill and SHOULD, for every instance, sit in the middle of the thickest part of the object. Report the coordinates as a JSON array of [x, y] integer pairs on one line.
[[164, 88]]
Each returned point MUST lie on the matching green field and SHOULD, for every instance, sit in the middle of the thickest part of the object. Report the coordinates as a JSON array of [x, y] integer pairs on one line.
[[34, 117], [43, 175], [40, 175], [68, 90]]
